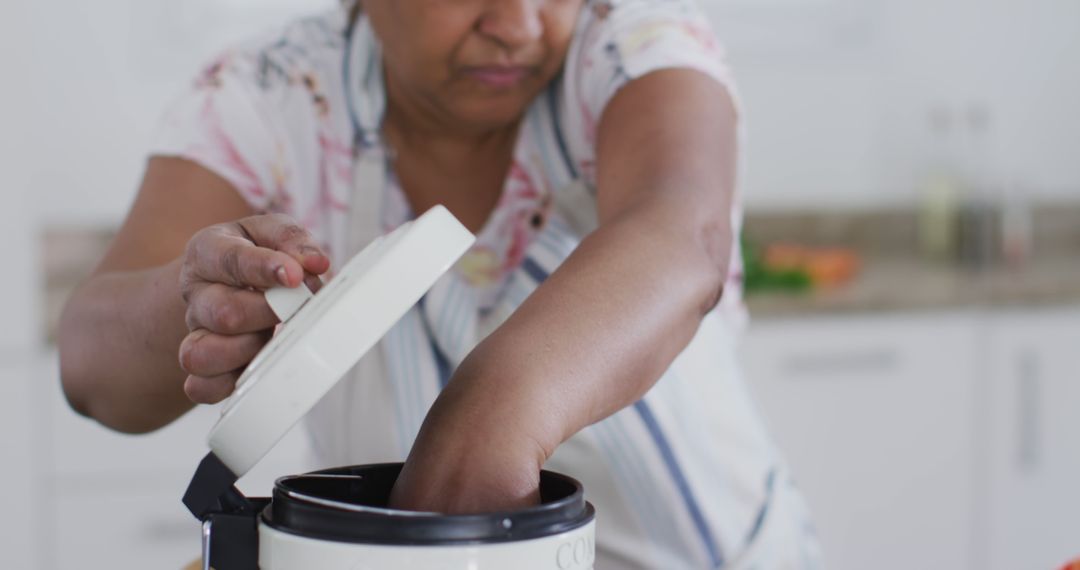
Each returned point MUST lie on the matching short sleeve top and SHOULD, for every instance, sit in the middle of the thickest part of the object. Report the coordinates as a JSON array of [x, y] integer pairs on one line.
[[272, 117]]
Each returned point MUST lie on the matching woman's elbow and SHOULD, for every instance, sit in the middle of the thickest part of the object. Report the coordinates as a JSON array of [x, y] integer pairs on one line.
[[93, 402], [84, 391], [74, 379], [715, 240]]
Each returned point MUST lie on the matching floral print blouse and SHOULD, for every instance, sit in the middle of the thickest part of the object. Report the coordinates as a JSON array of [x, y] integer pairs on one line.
[[271, 117]]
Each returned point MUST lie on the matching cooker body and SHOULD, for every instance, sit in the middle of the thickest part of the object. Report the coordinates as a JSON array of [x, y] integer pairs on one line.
[[339, 519], [573, 550]]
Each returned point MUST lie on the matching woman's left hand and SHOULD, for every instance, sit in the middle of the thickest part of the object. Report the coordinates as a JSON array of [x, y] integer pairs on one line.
[[474, 453]]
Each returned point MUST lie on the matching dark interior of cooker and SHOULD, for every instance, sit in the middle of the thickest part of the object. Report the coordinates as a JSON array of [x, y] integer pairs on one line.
[[371, 485], [371, 488], [349, 504]]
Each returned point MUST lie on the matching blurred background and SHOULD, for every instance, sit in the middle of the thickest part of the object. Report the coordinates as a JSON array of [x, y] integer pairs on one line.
[[912, 181]]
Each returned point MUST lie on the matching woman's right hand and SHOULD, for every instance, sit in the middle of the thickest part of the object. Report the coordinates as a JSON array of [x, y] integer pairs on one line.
[[224, 271]]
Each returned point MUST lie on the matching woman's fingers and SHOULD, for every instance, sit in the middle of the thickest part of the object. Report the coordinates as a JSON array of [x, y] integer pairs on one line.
[[216, 255], [261, 252], [202, 390], [225, 269], [205, 354], [228, 310], [282, 233]]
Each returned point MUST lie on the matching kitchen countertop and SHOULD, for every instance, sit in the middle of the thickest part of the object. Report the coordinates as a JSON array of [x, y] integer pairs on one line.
[[892, 277], [906, 283]]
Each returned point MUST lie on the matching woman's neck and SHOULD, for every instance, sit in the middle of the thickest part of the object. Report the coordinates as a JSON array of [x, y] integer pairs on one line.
[[415, 126]]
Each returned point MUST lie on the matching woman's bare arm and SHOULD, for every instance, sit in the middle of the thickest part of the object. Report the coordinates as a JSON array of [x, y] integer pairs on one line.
[[120, 331], [605, 326], [160, 297]]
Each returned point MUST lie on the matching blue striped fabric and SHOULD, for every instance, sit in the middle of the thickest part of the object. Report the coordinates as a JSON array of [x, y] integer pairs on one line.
[[395, 364], [672, 463], [633, 481], [441, 361], [537, 273], [770, 486], [644, 412]]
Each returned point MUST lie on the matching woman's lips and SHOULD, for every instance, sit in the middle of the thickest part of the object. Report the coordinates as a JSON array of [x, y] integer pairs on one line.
[[498, 76]]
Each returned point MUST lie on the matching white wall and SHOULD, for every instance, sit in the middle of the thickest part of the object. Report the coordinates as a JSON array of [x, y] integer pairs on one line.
[[837, 117], [102, 73], [836, 91], [18, 299]]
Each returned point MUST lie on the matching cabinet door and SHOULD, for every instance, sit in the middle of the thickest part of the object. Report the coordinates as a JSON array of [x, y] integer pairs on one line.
[[875, 417], [1033, 435], [122, 524]]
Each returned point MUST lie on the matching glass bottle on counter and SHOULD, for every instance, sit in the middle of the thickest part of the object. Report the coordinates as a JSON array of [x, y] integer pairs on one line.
[[941, 190]]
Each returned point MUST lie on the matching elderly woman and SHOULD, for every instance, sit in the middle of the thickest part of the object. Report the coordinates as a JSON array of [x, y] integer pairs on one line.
[[591, 145]]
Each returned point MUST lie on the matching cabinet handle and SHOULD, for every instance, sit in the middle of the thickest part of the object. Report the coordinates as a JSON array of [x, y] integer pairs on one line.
[[1028, 400], [870, 361]]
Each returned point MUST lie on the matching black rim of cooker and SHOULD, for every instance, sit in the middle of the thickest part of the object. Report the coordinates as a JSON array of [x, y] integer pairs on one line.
[[348, 504]]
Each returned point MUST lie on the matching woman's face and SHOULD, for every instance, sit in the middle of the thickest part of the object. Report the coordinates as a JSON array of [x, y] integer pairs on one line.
[[477, 63]]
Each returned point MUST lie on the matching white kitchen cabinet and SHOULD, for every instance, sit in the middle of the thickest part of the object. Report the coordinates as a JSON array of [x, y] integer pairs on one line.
[[1031, 467], [876, 417], [127, 524]]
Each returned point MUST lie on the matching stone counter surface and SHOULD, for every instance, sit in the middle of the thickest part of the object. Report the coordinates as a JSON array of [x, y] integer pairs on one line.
[[909, 284], [893, 277]]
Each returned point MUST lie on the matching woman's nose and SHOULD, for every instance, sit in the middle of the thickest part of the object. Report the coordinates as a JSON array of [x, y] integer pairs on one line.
[[513, 23]]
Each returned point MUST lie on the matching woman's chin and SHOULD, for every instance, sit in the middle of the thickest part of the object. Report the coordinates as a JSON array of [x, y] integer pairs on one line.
[[491, 112]]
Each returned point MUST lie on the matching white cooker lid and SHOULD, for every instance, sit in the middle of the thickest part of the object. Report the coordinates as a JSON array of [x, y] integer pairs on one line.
[[324, 335]]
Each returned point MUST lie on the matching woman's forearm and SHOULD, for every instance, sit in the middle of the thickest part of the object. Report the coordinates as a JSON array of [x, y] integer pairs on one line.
[[604, 327], [119, 337]]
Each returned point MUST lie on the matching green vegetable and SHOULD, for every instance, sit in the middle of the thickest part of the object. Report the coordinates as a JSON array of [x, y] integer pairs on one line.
[[760, 278]]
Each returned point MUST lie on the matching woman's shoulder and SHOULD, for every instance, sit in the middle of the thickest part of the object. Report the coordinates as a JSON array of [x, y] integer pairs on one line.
[[630, 37], [267, 114], [616, 42]]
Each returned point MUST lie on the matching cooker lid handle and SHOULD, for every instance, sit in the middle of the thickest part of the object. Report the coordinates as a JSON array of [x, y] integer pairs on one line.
[[212, 490]]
